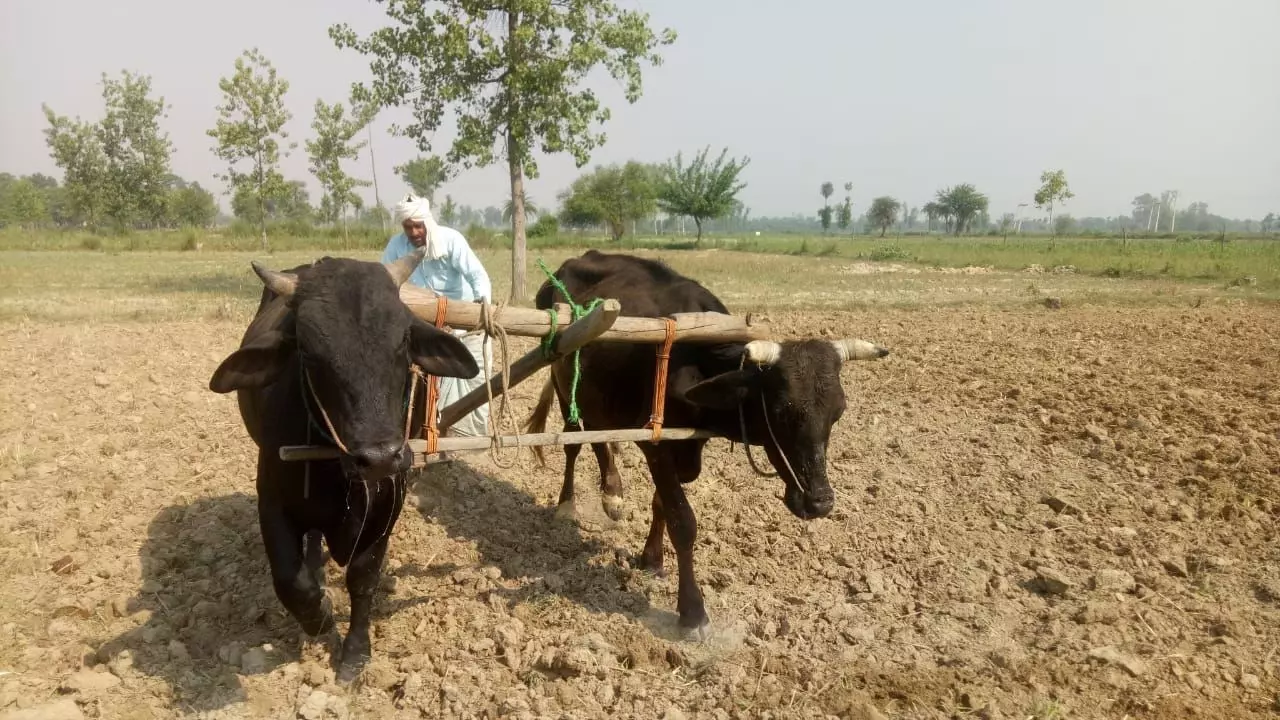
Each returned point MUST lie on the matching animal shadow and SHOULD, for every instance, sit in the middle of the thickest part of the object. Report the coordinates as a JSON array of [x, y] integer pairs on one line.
[[525, 540], [208, 609]]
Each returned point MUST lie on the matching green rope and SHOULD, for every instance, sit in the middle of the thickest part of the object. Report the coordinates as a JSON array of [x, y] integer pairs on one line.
[[548, 342]]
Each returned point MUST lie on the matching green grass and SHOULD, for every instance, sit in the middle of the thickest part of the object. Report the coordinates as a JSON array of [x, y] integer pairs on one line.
[[1246, 262]]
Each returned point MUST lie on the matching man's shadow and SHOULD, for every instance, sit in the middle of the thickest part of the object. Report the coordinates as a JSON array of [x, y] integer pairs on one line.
[[526, 540], [207, 600]]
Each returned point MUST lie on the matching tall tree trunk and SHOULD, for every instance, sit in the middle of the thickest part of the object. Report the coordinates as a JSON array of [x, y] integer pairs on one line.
[[373, 169], [698, 221], [515, 158], [517, 221]]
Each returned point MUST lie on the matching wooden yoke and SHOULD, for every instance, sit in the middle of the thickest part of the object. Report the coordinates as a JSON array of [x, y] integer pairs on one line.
[[660, 381], [430, 428]]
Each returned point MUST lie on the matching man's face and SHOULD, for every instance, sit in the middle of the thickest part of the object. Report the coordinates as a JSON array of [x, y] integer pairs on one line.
[[416, 231]]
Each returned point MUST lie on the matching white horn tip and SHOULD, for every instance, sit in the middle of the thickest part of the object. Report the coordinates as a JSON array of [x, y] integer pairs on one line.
[[859, 350], [763, 352]]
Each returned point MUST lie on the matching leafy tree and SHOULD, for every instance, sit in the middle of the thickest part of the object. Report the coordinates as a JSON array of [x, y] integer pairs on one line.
[[961, 203], [1268, 222], [424, 175], [192, 206], [136, 150], [514, 84], [824, 215], [24, 204], [844, 211], [335, 142], [448, 211], [844, 214], [77, 150], [530, 208], [700, 191], [1006, 222], [250, 128], [612, 196], [1053, 190], [1144, 207], [883, 213], [933, 210], [1062, 225], [546, 226]]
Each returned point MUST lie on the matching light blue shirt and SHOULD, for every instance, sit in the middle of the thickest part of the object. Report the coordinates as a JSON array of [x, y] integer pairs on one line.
[[458, 274]]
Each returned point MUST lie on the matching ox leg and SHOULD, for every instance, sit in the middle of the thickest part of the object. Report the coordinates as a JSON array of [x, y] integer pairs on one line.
[[565, 510], [651, 558], [315, 556], [295, 583], [362, 582], [611, 492], [670, 467]]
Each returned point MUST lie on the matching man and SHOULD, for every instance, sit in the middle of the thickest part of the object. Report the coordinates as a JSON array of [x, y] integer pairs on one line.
[[451, 269]]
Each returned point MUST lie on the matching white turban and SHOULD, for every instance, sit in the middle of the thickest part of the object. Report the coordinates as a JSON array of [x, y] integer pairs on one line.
[[418, 209]]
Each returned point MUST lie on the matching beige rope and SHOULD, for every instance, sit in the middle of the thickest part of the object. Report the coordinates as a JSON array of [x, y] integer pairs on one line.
[[491, 327]]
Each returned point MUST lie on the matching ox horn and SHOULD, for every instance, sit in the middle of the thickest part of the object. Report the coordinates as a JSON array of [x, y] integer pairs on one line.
[[282, 284], [763, 352], [858, 350], [401, 269]]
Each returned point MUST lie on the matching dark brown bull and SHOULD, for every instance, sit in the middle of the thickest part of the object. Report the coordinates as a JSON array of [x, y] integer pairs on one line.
[[786, 396], [327, 359]]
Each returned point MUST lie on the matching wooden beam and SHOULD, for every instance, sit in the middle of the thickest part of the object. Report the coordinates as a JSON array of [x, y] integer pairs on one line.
[[447, 444], [700, 327], [587, 328]]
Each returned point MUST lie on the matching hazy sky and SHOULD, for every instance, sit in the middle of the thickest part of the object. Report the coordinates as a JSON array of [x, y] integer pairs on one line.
[[900, 98]]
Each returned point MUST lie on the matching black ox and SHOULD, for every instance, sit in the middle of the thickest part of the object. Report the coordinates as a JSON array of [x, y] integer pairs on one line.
[[328, 359], [786, 396]]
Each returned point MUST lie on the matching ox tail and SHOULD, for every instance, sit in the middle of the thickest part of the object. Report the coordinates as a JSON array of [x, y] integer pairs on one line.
[[537, 421]]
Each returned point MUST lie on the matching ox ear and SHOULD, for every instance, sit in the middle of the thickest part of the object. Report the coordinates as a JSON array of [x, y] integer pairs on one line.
[[255, 365], [440, 353], [725, 391]]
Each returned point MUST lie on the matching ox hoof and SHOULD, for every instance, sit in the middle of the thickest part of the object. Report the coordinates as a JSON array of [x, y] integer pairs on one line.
[[698, 633], [566, 512], [350, 669], [614, 507]]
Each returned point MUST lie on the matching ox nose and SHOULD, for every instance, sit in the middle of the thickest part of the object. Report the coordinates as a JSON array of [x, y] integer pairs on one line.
[[378, 459], [819, 505]]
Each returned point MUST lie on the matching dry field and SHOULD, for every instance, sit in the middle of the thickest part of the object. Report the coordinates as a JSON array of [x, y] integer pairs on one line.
[[1041, 513]]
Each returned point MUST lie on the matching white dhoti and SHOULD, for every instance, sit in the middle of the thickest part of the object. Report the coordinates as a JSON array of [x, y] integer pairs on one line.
[[475, 424]]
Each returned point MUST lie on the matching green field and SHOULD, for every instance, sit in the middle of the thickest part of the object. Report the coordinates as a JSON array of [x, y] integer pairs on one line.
[[1244, 262]]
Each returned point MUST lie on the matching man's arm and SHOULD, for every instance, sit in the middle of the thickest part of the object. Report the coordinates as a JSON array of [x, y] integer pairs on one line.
[[465, 260]]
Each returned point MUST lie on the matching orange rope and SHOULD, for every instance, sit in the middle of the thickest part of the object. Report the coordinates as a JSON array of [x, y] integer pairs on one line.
[[660, 380], [430, 428]]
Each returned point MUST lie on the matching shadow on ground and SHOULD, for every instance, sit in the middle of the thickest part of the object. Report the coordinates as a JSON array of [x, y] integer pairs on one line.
[[524, 539], [207, 600]]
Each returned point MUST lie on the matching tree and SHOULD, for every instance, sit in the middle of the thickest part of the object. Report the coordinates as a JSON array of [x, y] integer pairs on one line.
[[192, 206], [424, 175], [530, 208], [77, 150], [1144, 207], [1053, 190], [700, 191], [335, 142], [514, 90], [1062, 224], [24, 204], [961, 204], [824, 215], [136, 150], [844, 214], [932, 210], [883, 213], [250, 128], [612, 196], [448, 211], [1268, 222]]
